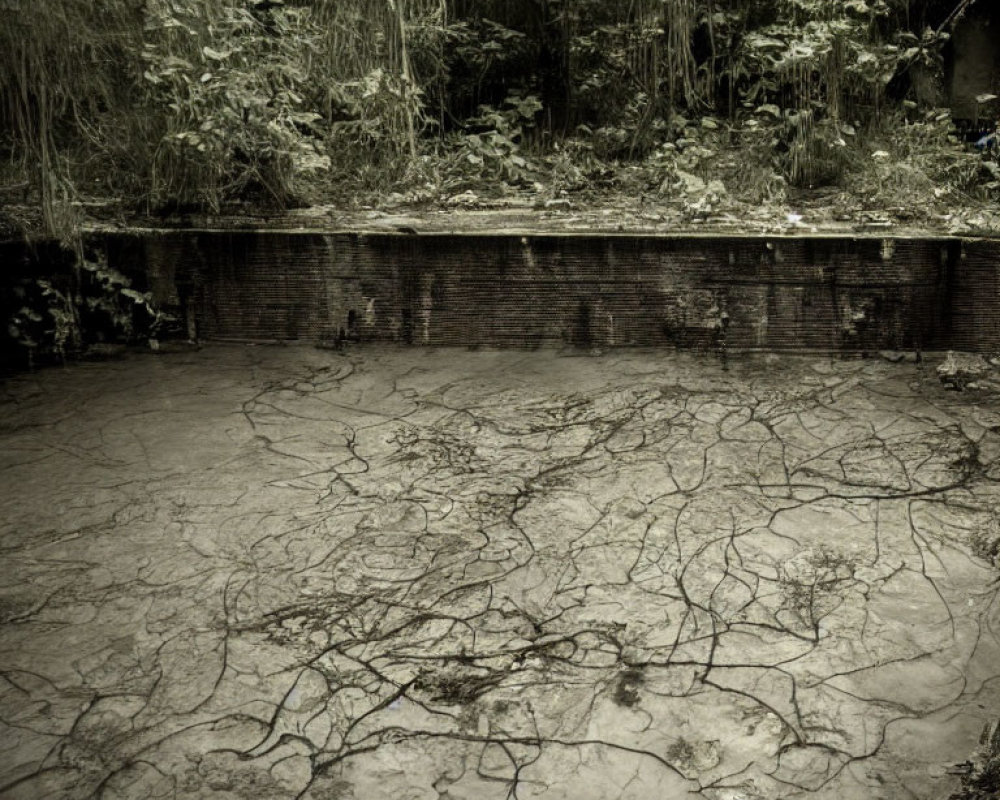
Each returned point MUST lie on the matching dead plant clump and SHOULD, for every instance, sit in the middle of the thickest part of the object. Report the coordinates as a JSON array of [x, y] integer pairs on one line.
[[981, 778], [985, 540], [627, 688]]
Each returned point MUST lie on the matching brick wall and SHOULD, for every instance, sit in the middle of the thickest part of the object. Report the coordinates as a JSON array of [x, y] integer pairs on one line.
[[514, 291]]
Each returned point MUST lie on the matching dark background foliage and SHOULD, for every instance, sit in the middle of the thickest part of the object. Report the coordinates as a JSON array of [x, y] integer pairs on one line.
[[166, 105]]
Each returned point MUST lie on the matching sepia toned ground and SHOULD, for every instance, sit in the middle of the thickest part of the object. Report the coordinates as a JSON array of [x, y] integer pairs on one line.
[[418, 574]]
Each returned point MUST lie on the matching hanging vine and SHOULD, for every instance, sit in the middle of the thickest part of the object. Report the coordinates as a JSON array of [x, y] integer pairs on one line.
[[199, 103]]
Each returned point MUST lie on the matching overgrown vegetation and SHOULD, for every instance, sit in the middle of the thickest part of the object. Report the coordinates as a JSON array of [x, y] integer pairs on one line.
[[82, 308], [693, 109], [166, 105]]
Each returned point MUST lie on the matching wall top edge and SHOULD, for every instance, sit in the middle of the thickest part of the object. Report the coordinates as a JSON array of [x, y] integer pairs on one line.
[[515, 233]]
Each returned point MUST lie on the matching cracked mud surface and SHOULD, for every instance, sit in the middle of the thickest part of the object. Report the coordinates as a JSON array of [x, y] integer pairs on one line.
[[445, 575]]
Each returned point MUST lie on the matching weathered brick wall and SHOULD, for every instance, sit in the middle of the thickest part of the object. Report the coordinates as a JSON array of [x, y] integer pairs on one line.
[[974, 298], [513, 291]]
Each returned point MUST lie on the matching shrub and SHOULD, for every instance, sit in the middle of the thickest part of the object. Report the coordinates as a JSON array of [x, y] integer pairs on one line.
[[234, 116]]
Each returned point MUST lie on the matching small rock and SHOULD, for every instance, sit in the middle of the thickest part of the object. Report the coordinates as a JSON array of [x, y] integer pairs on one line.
[[397, 222], [706, 756], [105, 351], [468, 198], [173, 346], [394, 199], [897, 356]]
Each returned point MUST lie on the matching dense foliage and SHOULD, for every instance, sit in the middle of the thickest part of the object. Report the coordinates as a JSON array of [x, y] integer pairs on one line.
[[170, 104]]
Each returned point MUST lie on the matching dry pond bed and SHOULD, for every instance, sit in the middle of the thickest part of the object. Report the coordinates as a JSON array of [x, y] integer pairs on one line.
[[439, 574]]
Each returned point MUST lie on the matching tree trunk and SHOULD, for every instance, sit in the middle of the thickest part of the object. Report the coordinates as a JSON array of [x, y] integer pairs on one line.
[[411, 133]]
